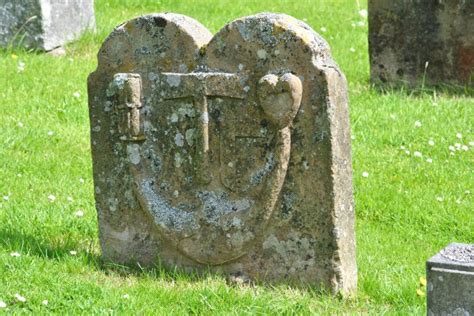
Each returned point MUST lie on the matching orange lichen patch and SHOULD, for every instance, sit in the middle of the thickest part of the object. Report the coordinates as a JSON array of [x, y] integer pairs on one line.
[[127, 65], [287, 25], [466, 62], [129, 27]]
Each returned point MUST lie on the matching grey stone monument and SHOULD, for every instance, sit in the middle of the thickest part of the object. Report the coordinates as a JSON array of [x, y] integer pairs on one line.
[[450, 286], [44, 24], [228, 153], [412, 42]]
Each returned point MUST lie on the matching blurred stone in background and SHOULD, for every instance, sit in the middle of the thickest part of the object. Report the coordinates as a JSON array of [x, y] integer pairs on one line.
[[44, 24], [422, 41]]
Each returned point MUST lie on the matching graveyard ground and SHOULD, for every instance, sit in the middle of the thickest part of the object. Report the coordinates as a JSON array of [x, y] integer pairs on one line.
[[413, 193]]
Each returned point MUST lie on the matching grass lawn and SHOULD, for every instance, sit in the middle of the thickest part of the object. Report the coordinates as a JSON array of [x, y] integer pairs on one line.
[[408, 207]]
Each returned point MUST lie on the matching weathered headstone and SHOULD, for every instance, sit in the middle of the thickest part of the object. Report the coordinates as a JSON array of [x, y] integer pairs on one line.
[[228, 152], [450, 276], [421, 41], [44, 24]]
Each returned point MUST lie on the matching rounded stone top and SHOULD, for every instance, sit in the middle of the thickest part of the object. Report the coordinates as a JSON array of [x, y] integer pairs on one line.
[[155, 41], [459, 253]]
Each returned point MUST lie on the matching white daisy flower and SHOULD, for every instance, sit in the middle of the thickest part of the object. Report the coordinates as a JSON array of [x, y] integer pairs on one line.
[[417, 124], [363, 13], [21, 66], [20, 298], [51, 198], [365, 174]]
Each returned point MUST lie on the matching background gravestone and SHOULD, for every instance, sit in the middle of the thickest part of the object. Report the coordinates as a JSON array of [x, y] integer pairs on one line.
[[228, 152], [412, 42], [44, 24], [450, 276]]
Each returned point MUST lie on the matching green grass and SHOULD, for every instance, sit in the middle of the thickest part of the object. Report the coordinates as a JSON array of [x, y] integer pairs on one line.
[[400, 222]]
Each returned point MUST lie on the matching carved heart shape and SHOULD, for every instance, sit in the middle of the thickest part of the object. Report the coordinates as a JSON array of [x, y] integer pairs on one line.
[[280, 97]]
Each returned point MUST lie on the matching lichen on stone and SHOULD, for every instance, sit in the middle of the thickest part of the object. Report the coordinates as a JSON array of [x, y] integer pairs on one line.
[[164, 214], [218, 204], [257, 177]]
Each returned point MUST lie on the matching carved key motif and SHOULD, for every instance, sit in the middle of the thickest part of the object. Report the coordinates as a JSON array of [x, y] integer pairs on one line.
[[230, 152]]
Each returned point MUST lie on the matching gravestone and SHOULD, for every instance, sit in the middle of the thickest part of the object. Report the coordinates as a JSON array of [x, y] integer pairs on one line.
[[421, 41], [450, 276], [229, 153], [44, 24]]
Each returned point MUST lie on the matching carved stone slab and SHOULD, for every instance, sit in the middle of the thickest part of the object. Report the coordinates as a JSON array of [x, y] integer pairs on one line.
[[44, 24], [228, 152], [450, 276]]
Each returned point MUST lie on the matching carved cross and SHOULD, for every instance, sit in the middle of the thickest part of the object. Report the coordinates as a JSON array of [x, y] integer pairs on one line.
[[199, 86]]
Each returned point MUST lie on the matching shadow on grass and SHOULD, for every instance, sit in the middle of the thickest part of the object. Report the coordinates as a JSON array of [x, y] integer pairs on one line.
[[41, 247], [49, 249], [204, 274], [44, 248]]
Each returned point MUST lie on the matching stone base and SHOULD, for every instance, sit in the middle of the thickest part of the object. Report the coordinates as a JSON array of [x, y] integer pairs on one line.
[[450, 276]]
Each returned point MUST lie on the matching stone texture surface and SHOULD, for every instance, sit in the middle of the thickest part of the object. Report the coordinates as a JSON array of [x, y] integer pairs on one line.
[[228, 152], [411, 41], [44, 24], [450, 276]]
